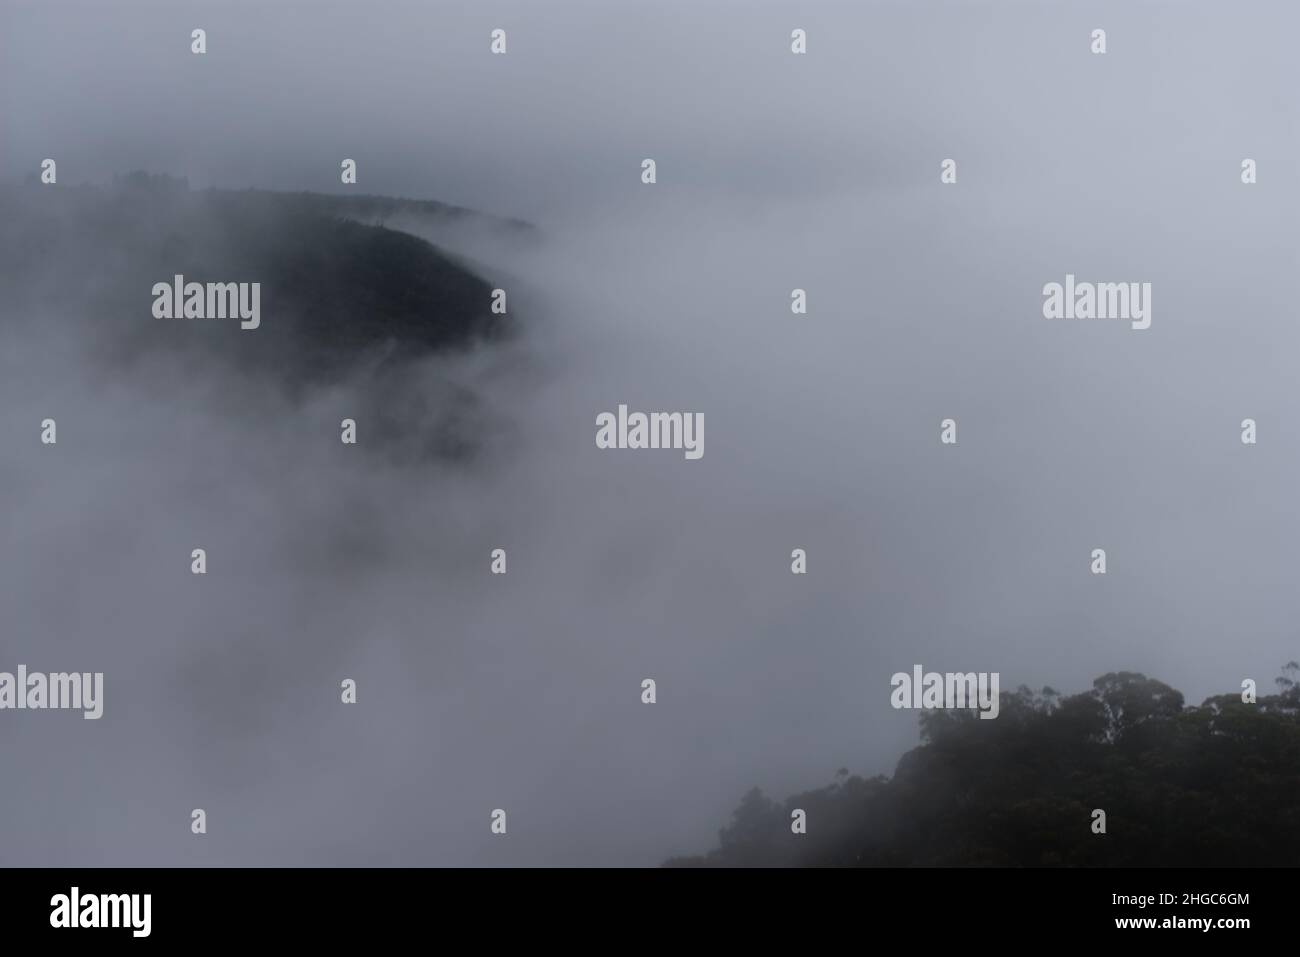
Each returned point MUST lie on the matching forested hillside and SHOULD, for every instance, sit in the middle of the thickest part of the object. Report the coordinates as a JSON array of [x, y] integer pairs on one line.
[[1211, 785]]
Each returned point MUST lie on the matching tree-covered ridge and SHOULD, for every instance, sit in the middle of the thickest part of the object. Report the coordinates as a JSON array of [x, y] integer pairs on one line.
[[337, 291], [1211, 785]]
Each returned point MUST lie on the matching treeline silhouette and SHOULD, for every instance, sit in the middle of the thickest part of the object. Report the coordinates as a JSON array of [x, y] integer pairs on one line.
[[1211, 785]]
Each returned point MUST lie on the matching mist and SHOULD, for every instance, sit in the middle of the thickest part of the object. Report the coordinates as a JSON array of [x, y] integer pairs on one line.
[[478, 691]]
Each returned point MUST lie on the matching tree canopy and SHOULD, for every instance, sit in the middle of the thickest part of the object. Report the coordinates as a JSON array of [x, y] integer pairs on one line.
[[1211, 785]]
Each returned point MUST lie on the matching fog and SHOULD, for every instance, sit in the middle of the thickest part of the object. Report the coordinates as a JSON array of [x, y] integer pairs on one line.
[[775, 172]]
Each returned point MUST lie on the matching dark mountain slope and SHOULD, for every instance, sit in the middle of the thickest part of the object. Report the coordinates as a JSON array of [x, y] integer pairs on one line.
[[367, 208], [336, 293]]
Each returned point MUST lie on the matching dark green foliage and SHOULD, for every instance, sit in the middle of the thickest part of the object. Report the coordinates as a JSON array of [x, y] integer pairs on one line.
[[1214, 785]]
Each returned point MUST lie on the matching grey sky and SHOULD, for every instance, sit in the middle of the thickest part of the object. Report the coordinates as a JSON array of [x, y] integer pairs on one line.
[[822, 432]]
